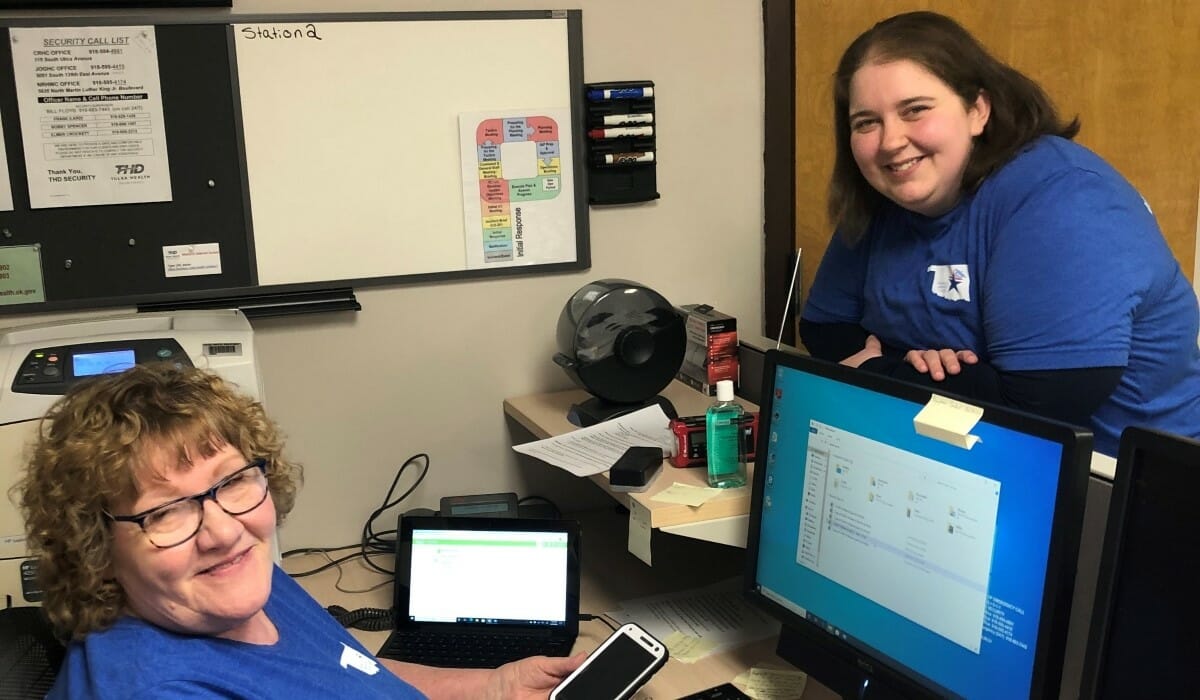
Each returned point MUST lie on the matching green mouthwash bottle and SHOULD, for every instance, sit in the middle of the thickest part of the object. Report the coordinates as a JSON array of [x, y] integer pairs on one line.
[[723, 440]]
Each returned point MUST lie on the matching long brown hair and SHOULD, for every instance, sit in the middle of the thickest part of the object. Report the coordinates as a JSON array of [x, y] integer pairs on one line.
[[1020, 109]]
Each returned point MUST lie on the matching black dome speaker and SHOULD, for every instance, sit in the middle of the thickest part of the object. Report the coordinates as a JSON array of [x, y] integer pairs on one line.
[[622, 342]]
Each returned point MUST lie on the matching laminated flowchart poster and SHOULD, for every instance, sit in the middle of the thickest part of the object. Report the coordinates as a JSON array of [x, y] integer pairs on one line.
[[90, 104], [516, 167]]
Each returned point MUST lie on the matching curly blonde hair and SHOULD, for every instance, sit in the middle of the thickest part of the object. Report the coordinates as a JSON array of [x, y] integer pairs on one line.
[[91, 448]]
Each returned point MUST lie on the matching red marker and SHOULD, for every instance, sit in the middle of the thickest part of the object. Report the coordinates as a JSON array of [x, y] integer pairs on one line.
[[621, 132]]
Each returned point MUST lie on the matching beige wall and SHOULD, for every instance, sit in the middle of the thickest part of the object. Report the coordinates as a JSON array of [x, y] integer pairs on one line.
[[424, 368]]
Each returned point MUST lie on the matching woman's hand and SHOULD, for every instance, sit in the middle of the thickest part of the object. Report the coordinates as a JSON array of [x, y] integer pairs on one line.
[[532, 678], [872, 349], [936, 363], [528, 679], [939, 363]]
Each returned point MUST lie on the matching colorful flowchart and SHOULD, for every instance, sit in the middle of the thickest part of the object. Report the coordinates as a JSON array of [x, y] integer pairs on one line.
[[500, 197]]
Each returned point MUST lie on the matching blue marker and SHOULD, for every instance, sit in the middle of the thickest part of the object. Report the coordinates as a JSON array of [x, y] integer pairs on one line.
[[631, 93]]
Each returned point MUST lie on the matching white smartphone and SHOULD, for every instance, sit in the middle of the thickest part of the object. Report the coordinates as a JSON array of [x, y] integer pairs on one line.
[[616, 669]]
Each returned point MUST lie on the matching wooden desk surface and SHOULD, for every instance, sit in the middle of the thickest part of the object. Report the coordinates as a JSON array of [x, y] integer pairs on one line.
[[545, 415], [610, 575]]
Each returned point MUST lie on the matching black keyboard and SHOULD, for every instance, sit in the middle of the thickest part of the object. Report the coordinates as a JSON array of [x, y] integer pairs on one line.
[[469, 650]]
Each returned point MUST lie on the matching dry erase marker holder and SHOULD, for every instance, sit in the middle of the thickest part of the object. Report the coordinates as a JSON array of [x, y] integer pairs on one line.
[[621, 129]]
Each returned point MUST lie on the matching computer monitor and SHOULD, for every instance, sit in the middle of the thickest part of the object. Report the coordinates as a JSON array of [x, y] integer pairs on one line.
[[903, 565], [1142, 640]]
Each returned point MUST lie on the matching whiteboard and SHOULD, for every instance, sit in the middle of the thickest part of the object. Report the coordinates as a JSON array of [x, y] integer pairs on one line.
[[411, 145]]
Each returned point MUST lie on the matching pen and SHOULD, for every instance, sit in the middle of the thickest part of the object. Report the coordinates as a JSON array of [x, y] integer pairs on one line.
[[630, 93], [629, 119], [624, 158], [620, 131]]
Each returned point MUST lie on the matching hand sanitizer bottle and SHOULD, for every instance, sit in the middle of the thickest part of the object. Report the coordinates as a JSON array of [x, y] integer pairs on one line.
[[723, 440]]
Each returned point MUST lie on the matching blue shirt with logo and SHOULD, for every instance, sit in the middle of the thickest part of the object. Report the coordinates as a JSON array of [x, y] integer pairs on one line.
[[1055, 262], [314, 658]]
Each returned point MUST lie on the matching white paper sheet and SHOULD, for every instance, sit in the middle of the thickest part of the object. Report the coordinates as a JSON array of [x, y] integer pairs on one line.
[[595, 449], [192, 260], [6, 200], [90, 103], [718, 614], [640, 532]]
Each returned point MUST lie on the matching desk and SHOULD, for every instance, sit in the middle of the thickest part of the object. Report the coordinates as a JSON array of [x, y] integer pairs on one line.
[[610, 575], [724, 519]]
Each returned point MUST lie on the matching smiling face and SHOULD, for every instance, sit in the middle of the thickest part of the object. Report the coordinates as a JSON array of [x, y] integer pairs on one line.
[[215, 583], [911, 135]]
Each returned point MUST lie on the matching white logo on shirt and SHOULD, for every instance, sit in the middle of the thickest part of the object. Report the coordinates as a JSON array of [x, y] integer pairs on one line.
[[951, 282], [353, 658]]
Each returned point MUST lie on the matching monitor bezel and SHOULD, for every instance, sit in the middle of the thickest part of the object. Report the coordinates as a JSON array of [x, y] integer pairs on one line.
[[1136, 444], [408, 525], [852, 672]]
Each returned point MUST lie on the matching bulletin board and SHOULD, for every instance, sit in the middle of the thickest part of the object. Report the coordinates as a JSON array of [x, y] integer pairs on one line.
[[305, 152]]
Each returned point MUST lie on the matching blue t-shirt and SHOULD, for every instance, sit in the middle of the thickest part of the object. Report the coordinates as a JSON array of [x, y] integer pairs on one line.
[[314, 658], [1055, 262]]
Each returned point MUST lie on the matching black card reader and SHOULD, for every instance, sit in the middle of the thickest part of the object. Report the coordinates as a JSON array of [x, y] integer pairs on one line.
[[489, 505]]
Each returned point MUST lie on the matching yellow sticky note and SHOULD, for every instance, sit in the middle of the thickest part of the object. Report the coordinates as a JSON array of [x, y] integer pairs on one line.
[[771, 683], [686, 648], [949, 421], [639, 531], [686, 494]]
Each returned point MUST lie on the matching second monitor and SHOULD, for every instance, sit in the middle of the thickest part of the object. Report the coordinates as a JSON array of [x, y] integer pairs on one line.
[[907, 566]]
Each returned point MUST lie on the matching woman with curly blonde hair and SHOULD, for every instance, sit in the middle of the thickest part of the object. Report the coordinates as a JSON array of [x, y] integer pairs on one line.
[[151, 498]]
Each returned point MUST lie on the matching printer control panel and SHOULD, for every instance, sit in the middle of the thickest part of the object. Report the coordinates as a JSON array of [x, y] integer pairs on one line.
[[53, 370]]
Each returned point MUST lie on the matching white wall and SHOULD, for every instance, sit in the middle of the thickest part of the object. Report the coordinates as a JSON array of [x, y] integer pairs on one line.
[[425, 368]]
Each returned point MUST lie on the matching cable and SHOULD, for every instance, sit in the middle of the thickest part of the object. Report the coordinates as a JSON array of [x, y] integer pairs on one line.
[[585, 617], [337, 563], [316, 550], [369, 619], [325, 567], [375, 543], [372, 543], [542, 499]]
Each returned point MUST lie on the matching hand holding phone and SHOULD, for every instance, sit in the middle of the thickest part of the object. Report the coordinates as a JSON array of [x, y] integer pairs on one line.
[[616, 669]]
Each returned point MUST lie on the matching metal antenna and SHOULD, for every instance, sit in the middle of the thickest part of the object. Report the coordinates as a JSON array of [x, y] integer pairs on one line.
[[788, 304]]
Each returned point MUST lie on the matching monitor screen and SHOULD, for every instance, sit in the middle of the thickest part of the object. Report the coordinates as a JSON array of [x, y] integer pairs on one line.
[[88, 364], [904, 564], [1145, 616]]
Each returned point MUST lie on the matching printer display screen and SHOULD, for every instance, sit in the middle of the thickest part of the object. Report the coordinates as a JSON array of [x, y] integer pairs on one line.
[[89, 364]]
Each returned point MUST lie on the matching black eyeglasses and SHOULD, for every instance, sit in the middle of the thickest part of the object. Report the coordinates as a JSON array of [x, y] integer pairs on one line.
[[175, 522]]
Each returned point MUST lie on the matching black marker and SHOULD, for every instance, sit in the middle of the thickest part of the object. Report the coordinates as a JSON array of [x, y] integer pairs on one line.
[[627, 158], [617, 119]]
